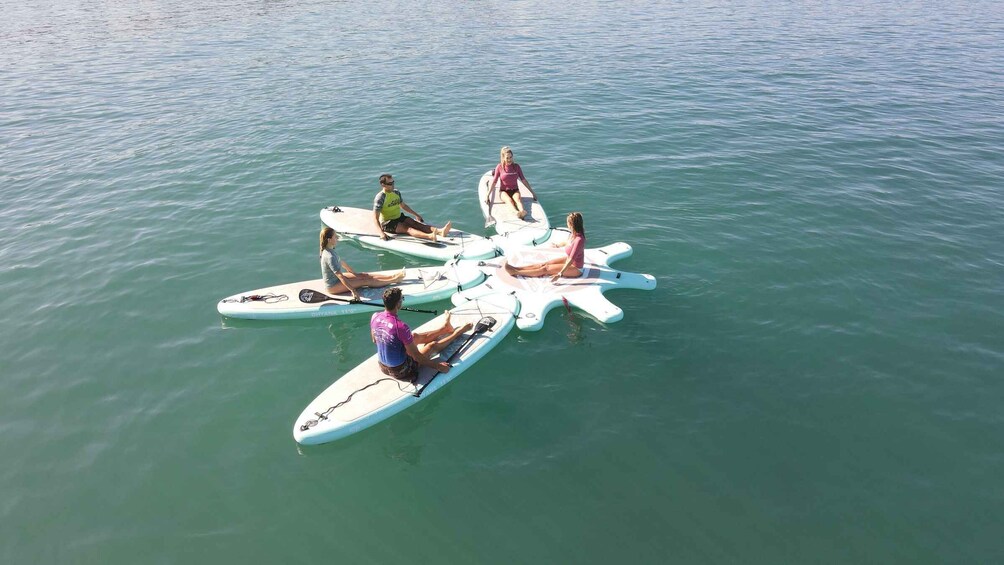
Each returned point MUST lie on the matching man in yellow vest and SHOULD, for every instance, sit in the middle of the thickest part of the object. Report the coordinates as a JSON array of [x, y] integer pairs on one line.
[[387, 214]]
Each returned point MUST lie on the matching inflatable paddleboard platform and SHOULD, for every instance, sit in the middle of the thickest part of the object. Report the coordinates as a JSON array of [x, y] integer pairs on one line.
[[357, 224], [506, 221], [365, 396], [538, 295], [288, 301]]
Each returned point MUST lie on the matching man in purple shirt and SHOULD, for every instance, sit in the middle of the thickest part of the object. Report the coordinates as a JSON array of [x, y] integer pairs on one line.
[[399, 351]]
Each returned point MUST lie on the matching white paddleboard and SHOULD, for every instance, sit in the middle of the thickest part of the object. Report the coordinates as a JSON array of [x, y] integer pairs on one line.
[[538, 295], [506, 221], [283, 302], [376, 397], [357, 224]]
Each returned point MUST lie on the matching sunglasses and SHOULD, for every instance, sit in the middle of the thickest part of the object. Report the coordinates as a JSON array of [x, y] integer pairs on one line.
[[388, 182]]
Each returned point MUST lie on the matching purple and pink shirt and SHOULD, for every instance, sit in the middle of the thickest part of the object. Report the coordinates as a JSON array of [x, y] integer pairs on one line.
[[576, 249], [507, 176], [391, 335]]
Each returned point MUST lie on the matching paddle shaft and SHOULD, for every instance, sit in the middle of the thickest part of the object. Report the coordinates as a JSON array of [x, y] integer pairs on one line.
[[481, 327], [350, 301]]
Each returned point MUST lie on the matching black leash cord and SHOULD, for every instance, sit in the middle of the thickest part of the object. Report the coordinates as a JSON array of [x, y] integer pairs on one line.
[[324, 415], [266, 298]]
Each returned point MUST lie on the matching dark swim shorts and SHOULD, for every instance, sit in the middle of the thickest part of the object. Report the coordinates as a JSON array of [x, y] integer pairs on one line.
[[407, 371], [390, 226]]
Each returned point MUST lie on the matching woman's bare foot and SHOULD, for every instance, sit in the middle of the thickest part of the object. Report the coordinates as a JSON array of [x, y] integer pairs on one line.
[[400, 276], [447, 325], [446, 229], [521, 214], [466, 327], [508, 268]]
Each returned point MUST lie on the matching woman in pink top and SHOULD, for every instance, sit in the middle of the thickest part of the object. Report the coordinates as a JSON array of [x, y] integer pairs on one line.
[[571, 266], [507, 173]]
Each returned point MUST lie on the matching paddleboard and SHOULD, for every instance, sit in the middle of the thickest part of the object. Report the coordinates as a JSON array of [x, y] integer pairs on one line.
[[538, 295], [357, 224], [283, 302], [506, 221], [365, 396]]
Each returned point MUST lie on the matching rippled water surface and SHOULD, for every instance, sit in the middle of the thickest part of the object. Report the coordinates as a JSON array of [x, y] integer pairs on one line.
[[817, 189]]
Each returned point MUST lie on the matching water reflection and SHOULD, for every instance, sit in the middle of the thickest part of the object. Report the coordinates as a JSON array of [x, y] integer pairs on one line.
[[575, 334]]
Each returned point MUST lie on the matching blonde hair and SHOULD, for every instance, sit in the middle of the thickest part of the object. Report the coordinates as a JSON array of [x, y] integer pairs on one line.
[[505, 149], [326, 234]]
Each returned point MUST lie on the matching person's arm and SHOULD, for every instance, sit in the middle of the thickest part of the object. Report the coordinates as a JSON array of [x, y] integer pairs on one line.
[[408, 209], [353, 291], [491, 186], [377, 206], [561, 273], [376, 220], [348, 268], [412, 349]]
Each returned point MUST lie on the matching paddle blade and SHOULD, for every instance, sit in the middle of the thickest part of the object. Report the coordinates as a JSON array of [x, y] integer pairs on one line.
[[308, 296], [484, 324]]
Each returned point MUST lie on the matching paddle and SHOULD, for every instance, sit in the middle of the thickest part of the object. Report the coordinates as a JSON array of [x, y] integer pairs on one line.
[[489, 221], [483, 325], [308, 296]]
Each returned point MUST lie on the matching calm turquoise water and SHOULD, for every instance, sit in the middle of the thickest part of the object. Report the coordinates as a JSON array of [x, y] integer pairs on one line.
[[818, 189]]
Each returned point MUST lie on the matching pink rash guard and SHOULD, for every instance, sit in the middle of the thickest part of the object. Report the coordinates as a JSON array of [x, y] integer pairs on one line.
[[576, 249], [507, 176]]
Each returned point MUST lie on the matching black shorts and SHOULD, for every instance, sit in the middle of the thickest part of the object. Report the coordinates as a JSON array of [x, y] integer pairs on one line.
[[390, 226], [512, 192], [407, 371]]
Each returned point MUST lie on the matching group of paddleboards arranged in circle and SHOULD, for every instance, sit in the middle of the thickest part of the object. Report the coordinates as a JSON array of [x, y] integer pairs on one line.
[[510, 279]]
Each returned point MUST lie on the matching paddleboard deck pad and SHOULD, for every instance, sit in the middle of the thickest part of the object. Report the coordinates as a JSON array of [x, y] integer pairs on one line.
[[365, 396], [357, 224], [283, 302], [506, 221], [538, 295]]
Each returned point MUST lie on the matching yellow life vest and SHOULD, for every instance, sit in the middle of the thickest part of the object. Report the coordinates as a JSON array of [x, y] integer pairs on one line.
[[389, 205]]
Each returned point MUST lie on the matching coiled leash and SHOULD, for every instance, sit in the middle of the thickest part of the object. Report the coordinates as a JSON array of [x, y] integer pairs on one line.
[[266, 298]]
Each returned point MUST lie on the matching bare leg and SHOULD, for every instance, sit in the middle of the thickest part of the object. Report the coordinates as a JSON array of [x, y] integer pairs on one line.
[[385, 279], [366, 280], [545, 269], [534, 270], [440, 343], [516, 203], [446, 229], [425, 337], [416, 229]]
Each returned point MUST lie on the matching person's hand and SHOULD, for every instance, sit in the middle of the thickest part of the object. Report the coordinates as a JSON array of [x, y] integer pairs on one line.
[[383, 236], [555, 278], [443, 367], [420, 218], [356, 296]]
